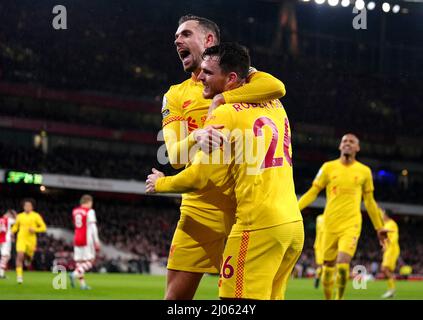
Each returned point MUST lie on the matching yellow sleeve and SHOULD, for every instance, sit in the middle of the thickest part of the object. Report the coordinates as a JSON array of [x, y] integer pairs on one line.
[[175, 134], [15, 227], [196, 176], [308, 197], [41, 226], [368, 182], [321, 179], [260, 86], [373, 210], [178, 143], [394, 234], [192, 178]]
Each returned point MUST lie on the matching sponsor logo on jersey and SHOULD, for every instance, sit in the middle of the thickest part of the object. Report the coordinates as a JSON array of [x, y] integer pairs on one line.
[[186, 104]]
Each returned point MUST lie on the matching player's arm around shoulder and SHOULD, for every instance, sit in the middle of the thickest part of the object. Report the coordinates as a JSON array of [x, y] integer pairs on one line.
[[260, 86]]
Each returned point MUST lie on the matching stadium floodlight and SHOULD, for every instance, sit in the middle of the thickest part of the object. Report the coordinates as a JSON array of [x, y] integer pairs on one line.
[[333, 3], [359, 4], [319, 1], [306, 0], [396, 8], [345, 3], [371, 5], [386, 7]]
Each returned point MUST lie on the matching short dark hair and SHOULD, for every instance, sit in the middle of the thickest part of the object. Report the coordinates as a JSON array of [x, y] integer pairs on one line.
[[205, 23], [233, 57], [86, 198], [30, 200]]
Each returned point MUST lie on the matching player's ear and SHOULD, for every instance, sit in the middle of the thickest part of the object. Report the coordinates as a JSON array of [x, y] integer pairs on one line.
[[232, 78], [209, 40]]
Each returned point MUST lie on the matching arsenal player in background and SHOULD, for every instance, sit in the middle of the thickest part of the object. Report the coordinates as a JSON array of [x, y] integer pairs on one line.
[[86, 240], [6, 222]]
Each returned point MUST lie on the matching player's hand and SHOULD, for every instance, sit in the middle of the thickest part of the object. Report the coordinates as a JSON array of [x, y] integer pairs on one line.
[[31, 230], [382, 234], [210, 138], [217, 101], [150, 183]]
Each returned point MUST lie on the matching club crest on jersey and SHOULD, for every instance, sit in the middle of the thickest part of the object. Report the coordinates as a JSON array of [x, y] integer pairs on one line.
[[192, 124]]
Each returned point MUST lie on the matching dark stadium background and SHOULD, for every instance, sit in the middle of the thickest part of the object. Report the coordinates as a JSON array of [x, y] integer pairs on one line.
[[91, 95]]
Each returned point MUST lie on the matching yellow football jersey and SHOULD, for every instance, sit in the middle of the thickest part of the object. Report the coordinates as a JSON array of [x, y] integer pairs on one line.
[[25, 221], [345, 185], [393, 235], [260, 165], [319, 232], [184, 110]]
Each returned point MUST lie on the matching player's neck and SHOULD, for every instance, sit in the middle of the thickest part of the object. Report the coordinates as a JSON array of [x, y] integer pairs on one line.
[[234, 85], [347, 159], [194, 74]]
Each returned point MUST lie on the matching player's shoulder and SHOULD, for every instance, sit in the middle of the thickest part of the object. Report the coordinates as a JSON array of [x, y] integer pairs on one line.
[[223, 109], [331, 164], [176, 88], [223, 113], [362, 166]]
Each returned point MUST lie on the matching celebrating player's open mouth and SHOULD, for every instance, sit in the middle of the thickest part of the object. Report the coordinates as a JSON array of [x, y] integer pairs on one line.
[[185, 56]]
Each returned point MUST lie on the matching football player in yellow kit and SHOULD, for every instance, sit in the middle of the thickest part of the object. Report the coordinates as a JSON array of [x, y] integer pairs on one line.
[[28, 224], [347, 181], [391, 252], [267, 238], [206, 215]]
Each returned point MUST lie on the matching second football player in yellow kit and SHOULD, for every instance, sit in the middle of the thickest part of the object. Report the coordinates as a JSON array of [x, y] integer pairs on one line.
[[205, 221], [346, 181], [28, 224], [318, 249], [391, 252], [267, 237]]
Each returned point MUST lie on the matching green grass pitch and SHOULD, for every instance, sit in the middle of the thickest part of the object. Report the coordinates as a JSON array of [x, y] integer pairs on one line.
[[38, 286]]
